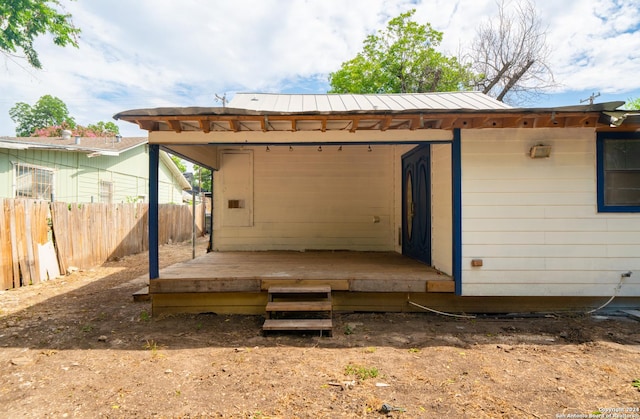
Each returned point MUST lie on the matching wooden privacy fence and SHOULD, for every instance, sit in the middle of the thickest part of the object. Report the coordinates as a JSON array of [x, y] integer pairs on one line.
[[84, 235], [26, 253]]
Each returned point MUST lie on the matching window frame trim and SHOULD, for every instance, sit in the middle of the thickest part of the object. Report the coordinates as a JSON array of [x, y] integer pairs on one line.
[[601, 137], [112, 190], [16, 164]]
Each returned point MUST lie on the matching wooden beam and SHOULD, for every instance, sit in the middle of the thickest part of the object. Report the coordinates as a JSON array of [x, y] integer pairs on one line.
[[402, 124], [416, 122], [385, 123], [545, 121], [491, 122], [175, 125], [354, 124], [440, 286], [335, 284], [445, 123], [384, 285], [411, 121], [220, 303], [527, 122], [203, 285], [511, 121], [205, 125], [584, 121], [148, 125]]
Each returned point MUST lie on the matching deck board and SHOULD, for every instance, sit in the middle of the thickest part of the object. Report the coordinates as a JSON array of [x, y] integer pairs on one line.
[[279, 267]]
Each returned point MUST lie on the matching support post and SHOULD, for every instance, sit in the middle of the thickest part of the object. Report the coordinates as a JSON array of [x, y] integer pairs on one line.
[[210, 248], [193, 223], [154, 163], [456, 200]]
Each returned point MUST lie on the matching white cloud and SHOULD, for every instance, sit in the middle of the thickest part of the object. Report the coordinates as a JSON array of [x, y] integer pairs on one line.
[[148, 53]]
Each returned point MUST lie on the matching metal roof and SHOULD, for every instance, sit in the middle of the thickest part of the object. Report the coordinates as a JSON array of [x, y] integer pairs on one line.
[[269, 112], [296, 103]]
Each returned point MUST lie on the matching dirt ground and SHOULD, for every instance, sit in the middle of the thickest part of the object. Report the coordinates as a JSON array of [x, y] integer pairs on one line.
[[79, 346]]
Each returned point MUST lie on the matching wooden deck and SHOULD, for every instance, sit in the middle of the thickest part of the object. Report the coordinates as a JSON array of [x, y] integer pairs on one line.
[[237, 283], [342, 270]]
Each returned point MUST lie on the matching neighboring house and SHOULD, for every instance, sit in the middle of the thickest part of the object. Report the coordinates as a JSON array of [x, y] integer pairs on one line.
[[512, 205], [82, 169]]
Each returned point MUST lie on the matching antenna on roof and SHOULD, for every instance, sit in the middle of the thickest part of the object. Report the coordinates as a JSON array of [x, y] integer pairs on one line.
[[222, 99], [590, 98]]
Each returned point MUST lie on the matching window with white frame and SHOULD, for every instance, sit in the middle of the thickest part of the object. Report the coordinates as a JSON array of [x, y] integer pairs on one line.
[[618, 163], [33, 182], [106, 192]]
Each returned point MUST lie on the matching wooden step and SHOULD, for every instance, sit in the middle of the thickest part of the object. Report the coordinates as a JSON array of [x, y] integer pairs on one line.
[[298, 306], [298, 324], [293, 305], [142, 295]]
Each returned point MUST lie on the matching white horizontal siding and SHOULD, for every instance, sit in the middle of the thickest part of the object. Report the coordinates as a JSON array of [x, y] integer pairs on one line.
[[534, 222], [631, 289], [555, 264], [483, 251]]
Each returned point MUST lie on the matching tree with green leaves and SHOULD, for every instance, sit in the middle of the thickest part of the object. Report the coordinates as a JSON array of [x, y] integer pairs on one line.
[[179, 163], [401, 59], [202, 178], [633, 104], [47, 112], [22, 21], [50, 116], [103, 129]]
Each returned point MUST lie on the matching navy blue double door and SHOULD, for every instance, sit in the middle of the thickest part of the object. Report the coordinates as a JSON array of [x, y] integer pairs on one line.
[[416, 204]]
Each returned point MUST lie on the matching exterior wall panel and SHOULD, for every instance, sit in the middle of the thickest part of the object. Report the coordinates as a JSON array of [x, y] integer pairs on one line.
[[77, 177], [534, 222], [308, 199], [441, 208]]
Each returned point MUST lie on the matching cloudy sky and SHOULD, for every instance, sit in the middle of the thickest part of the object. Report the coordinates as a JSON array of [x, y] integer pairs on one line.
[[150, 53]]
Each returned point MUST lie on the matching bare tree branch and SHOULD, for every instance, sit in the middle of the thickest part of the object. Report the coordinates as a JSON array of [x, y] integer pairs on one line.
[[510, 53], [496, 79], [513, 80]]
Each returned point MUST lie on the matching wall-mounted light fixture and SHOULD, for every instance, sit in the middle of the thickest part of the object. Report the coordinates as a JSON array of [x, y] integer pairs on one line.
[[540, 151]]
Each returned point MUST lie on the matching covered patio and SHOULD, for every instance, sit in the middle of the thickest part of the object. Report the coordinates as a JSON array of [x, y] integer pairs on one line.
[[347, 191]]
